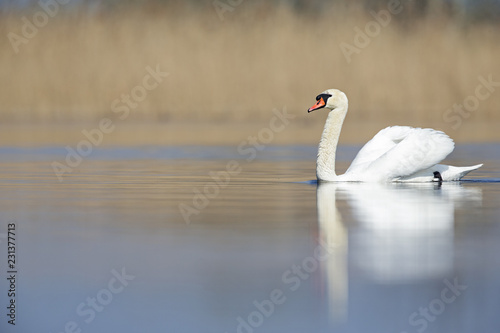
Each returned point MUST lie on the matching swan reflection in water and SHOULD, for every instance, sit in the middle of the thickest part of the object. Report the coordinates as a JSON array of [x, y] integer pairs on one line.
[[389, 233]]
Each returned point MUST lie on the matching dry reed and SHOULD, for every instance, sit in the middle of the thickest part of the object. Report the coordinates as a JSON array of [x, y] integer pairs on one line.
[[240, 68]]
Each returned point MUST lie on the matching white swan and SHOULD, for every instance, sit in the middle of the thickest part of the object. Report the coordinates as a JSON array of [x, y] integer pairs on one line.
[[395, 154]]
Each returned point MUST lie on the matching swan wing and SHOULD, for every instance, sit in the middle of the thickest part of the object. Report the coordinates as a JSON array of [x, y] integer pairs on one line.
[[385, 140], [418, 150]]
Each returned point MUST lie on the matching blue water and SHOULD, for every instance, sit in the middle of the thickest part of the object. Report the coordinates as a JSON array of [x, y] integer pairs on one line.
[[266, 250]]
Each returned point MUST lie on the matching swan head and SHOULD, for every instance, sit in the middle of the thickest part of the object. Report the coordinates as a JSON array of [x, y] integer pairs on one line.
[[329, 99]]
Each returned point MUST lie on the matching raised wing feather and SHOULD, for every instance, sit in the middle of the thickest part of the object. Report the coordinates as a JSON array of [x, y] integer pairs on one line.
[[382, 142], [419, 150], [400, 151]]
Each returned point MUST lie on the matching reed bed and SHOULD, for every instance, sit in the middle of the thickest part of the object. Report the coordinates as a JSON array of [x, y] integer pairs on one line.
[[240, 68]]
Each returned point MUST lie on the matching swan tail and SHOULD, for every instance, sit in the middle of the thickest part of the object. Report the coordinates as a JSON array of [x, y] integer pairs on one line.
[[457, 173], [439, 172]]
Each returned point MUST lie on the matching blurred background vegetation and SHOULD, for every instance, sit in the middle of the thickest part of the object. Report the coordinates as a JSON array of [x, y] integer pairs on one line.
[[231, 62]]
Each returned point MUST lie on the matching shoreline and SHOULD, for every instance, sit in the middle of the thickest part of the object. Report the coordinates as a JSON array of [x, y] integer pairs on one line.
[[218, 134]]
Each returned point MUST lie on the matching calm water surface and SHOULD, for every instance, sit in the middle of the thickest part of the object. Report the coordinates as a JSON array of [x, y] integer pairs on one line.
[[199, 239]]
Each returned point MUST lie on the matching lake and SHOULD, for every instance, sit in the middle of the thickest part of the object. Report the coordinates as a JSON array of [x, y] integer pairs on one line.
[[203, 239]]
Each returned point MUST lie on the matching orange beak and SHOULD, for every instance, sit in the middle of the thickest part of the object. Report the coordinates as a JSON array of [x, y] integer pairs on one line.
[[319, 104]]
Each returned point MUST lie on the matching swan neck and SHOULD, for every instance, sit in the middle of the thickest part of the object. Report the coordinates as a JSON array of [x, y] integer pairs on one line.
[[325, 165]]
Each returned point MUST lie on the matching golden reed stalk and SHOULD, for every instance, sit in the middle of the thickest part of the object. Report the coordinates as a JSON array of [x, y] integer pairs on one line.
[[240, 68]]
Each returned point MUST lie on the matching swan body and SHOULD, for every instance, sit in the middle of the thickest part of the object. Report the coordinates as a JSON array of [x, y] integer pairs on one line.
[[395, 154]]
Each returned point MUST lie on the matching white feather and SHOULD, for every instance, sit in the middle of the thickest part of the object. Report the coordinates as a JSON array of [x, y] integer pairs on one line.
[[395, 154]]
